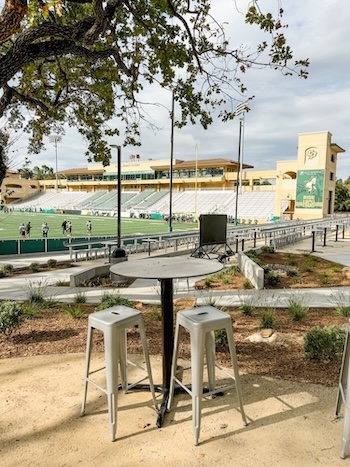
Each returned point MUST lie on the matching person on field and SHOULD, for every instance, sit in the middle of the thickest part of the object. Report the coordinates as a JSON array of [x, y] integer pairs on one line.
[[89, 228], [45, 229], [22, 230], [68, 228], [28, 227], [64, 227]]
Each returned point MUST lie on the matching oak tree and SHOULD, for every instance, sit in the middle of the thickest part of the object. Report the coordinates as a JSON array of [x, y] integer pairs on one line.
[[82, 62]]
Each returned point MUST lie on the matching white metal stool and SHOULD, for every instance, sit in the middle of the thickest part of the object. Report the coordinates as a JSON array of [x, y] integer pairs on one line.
[[201, 322], [114, 322]]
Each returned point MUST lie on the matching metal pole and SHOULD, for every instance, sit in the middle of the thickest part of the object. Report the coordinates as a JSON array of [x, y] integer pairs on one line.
[[119, 149], [238, 169], [171, 164], [119, 178], [55, 139]]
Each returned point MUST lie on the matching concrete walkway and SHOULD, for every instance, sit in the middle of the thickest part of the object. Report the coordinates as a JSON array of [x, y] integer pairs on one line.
[[16, 288]]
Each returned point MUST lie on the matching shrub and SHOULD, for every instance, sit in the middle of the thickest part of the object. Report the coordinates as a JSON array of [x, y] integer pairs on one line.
[[30, 310], [324, 343], [247, 284], [11, 317], [2, 273], [291, 272], [51, 263], [252, 255], [36, 292], [7, 268], [268, 318], [155, 313], [272, 278], [80, 297], [208, 282], [247, 309], [267, 249], [75, 312], [325, 279], [232, 270], [34, 267], [108, 300], [221, 338], [297, 309], [342, 300]]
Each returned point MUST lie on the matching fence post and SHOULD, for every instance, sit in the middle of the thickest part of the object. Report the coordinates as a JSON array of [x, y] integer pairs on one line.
[[313, 233]]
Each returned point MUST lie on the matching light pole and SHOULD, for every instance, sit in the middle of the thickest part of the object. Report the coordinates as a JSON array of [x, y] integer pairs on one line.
[[55, 139], [171, 163], [241, 109], [119, 153]]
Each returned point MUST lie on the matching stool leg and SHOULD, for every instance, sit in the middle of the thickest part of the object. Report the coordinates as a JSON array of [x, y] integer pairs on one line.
[[148, 364], [123, 358], [210, 354], [177, 338], [232, 348], [87, 367], [197, 356], [346, 423], [112, 354]]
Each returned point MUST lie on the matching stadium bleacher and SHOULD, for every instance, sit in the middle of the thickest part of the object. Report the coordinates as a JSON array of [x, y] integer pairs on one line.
[[251, 206]]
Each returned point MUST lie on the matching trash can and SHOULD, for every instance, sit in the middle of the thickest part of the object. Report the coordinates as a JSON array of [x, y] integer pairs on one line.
[[117, 256]]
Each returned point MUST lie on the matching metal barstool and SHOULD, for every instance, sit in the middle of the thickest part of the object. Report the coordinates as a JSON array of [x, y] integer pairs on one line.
[[201, 323], [114, 322]]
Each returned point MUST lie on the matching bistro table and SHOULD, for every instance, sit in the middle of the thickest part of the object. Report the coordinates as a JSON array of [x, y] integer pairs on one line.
[[165, 269]]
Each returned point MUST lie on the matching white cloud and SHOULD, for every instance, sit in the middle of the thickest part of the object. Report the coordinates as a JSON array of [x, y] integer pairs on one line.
[[282, 108]]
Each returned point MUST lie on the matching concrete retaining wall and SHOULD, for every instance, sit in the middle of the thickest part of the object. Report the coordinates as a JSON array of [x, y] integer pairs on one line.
[[78, 278], [251, 270]]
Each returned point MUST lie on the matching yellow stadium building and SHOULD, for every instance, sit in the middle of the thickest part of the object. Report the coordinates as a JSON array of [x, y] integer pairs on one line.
[[303, 188]]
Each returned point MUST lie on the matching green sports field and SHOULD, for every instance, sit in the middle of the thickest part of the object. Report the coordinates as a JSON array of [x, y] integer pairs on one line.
[[101, 226]]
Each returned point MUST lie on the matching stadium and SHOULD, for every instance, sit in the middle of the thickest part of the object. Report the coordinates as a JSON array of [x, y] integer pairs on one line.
[[302, 188]]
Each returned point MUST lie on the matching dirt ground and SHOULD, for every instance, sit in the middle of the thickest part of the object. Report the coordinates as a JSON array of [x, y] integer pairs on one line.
[[53, 331]]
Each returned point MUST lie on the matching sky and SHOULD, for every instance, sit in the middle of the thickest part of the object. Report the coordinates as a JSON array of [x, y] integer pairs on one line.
[[282, 108]]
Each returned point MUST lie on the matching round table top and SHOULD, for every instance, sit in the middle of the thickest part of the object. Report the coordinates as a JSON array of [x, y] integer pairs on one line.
[[173, 267]]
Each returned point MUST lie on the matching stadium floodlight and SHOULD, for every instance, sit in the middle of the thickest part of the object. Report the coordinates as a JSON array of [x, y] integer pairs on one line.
[[241, 109], [55, 139]]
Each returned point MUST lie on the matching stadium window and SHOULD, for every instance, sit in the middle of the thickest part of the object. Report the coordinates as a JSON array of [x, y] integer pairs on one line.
[[331, 176], [332, 158]]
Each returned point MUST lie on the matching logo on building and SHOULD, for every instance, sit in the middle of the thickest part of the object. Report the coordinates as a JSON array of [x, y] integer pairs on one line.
[[311, 153]]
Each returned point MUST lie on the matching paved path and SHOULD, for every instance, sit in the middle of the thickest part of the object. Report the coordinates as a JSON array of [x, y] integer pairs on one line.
[[148, 290]]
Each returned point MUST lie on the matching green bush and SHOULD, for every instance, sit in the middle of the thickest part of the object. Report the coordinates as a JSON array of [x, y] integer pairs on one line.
[[109, 300], [272, 278], [34, 267], [208, 281], [221, 338], [247, 309], [267, 249], [51, 263], [268, 319], [2, 273], [36, 292], [73, 311], [297, 309], [11, 317], [324, 343], [80, 297], [7, 268], [247, 284], [291, 272]]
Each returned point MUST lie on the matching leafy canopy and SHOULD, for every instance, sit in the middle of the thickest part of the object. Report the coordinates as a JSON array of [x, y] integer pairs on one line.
[[82, 62]]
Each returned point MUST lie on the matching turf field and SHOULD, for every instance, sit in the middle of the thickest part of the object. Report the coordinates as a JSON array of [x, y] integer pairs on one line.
[[101, 226]]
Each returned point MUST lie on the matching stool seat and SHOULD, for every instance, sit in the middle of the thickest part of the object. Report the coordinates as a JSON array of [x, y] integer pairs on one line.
[[202, 322], [114, 323]]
